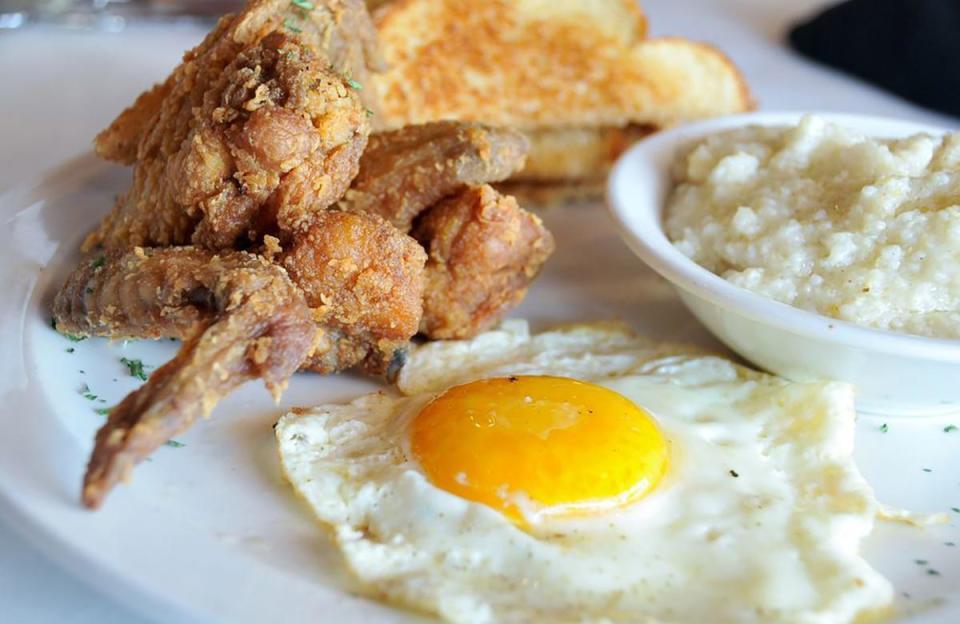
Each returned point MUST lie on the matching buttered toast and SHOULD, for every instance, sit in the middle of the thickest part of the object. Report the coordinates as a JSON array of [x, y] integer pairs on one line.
[[580, 78]]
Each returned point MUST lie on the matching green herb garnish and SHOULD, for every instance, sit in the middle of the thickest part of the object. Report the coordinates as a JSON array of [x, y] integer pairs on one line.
[[354, 84], [174, 444], [99, 261], [932, 572], [370, 113], [85, 392], [103, 411], [950, 429], [291, 26], [955, 509], [928, 469], [69, 349], [884, 428], [302, 4], [921, 561], [135, 367], [73, 338]]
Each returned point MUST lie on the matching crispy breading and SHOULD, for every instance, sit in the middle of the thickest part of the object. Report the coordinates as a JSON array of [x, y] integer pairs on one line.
[[484, 251], [404, 171], [363, 280], [240, 316], [223, 162], [339, 31]]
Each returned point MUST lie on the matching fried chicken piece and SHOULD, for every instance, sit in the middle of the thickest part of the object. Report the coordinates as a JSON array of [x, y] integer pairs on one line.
[[363, 279], [252, 134], [241, 317], [405, 171], [339, 31], [484, 251], [120, 140]]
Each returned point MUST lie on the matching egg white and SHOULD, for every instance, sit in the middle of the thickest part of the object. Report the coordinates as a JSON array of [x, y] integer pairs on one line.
[[759, 518]]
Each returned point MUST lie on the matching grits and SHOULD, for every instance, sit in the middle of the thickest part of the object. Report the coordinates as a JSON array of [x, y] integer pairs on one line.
[[825, 219]]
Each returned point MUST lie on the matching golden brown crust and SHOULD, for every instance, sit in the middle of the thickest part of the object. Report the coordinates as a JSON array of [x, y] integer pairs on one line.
[[118, 142], [220, 145], [405, 171], [484, 251], [548, 64], [240, 316], [220, 151], [363, 280]]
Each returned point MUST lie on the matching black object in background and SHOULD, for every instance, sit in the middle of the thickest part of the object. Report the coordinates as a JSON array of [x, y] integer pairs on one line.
[[910, 47]]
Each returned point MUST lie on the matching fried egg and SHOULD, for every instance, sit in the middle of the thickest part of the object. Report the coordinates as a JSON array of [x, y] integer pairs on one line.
[[585, 475]]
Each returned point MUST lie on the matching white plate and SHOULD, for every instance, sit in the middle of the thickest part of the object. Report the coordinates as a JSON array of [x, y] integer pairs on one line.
[[209, 532]]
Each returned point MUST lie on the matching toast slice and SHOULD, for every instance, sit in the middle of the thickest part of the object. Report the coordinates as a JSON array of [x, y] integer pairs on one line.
[[575, 76]]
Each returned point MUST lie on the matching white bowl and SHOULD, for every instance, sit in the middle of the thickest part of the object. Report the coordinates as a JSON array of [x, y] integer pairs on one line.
[[893, 373]]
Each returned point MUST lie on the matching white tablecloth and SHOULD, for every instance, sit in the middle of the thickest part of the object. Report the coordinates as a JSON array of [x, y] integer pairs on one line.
[[60, 88]]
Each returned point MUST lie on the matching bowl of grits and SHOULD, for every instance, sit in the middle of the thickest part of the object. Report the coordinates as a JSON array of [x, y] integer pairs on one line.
[[821, 246]]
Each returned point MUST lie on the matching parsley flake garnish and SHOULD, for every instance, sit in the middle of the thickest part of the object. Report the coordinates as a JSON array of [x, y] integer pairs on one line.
[[884, 428], [932, 572], [302, 4], [99, 261], [174, 444], [69, 349], [955, 509], [85, 392], [950, 429], [921, 561], [951, 544], [733, 473], [103, 411], [928, 469], [354, 84], [370, 113], [135, 367], [291, 26]]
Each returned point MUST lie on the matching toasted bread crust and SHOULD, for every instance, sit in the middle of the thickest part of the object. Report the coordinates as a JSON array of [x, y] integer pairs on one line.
[[529, 64]]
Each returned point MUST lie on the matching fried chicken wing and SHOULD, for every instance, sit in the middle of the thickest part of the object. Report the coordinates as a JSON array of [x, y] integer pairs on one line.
[[241, 317], [363, 279], [339, 31], [353, 295], [251, 134], [403, 172], [484, 251]]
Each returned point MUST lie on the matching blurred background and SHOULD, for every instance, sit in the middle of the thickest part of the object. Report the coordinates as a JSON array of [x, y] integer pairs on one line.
[[107, 14]]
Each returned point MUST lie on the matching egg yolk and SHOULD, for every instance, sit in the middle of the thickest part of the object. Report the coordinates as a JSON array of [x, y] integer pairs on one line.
[[532, 446]]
